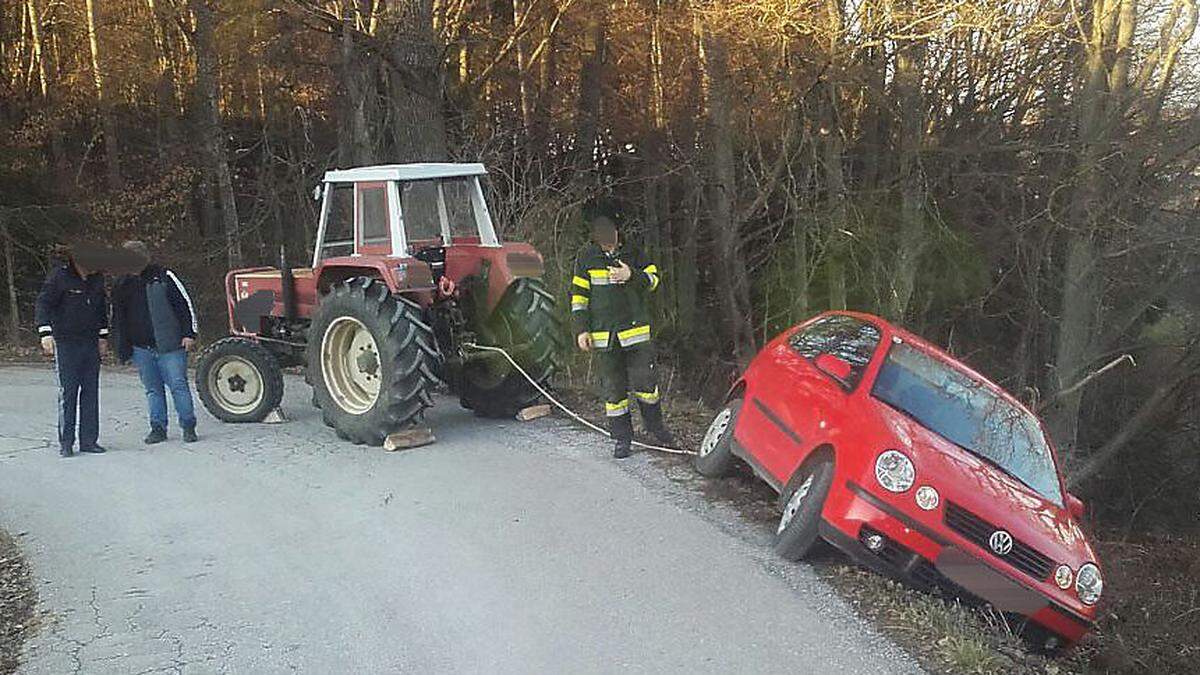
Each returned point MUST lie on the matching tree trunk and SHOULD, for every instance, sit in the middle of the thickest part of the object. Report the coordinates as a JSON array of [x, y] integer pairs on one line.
[[722, 189], [520, 10], [417, 85], [910, 59], [1083, 283], [214, 142], [112, 166], [591, 76], [354, 146], [14, 308], [35, 35]]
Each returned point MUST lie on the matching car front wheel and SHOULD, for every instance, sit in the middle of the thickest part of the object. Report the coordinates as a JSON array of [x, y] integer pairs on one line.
[[797, 533]]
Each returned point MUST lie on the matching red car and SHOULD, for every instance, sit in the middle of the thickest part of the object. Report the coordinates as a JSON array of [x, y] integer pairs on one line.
[[912, 464]]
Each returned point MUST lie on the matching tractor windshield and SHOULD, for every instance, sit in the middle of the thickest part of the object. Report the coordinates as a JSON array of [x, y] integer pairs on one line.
[[969, 414], [439, 209]]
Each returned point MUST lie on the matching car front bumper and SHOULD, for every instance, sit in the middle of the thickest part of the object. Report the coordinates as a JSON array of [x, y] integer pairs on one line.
[[926, 557]]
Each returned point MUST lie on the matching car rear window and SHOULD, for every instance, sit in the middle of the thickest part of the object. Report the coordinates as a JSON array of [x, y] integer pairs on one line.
[[850, 339]]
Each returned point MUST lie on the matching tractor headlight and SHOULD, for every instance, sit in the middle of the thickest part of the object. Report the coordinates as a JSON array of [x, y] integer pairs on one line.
[[1063, 576], [894, 471], [1088, 584]]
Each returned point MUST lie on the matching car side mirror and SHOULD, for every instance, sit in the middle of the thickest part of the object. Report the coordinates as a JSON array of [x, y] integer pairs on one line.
[[1075, 507], [835, 367]]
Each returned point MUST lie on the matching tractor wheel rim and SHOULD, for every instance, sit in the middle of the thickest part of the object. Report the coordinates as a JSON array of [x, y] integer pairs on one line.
[[716, 431], [236, 384], [794, 502], [350, 365]]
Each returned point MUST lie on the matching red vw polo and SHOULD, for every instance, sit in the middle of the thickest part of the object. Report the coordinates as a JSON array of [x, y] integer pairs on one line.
[[913, 464]]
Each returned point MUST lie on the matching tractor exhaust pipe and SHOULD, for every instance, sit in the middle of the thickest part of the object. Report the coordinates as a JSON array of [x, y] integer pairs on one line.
[[287, 287]]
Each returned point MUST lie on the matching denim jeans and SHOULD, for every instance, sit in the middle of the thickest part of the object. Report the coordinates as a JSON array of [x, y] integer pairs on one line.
[[77, 363], [168, 369]]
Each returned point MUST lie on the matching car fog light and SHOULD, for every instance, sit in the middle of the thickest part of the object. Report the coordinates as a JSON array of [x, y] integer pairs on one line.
[[1063, 576], [1088, 584], [927, 498], [894, 471], [874, 542]]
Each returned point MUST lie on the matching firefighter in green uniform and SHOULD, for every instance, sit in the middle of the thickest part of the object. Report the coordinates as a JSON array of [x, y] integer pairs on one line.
[[611, 315]]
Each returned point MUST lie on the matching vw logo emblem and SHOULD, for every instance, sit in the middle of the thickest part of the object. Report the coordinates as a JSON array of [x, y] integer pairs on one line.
[[1001, 542]]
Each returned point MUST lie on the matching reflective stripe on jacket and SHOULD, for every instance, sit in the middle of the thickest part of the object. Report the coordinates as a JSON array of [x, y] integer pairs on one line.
[[613, 313]]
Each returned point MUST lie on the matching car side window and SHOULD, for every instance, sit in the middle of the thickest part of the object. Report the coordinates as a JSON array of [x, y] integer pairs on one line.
[[850, 339]]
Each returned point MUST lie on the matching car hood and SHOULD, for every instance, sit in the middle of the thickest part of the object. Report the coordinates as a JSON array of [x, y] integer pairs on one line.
[[987, 492]]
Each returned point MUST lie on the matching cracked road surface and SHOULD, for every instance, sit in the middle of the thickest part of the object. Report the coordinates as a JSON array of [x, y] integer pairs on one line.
[[504, 547]]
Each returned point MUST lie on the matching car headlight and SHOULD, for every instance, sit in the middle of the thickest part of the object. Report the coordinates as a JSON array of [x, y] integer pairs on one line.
[[894, 471], [1063, 576], [927, 497], [1088, 584]]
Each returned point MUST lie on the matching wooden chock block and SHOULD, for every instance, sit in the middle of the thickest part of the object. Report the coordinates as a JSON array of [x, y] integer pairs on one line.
[[276, 416], [409, 438], [533, 412]]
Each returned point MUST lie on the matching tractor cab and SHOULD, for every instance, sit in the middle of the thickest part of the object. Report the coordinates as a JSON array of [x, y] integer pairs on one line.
[[399, 210]]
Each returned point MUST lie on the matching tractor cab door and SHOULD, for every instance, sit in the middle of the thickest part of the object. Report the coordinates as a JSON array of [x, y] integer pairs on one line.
[[372, 219]]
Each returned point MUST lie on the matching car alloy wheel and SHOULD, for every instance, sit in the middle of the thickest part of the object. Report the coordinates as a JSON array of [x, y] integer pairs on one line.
[[716, 431], [794, 502]]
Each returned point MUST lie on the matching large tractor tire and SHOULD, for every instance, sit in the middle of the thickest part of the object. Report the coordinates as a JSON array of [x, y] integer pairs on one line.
[[238, 380], [370, 361], [526, 325]]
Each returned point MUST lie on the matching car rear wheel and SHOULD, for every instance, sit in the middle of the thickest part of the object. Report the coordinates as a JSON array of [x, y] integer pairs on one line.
[[715, 456], [797, 533]]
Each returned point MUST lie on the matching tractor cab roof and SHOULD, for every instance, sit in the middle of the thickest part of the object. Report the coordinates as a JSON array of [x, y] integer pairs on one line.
[[404, 172]]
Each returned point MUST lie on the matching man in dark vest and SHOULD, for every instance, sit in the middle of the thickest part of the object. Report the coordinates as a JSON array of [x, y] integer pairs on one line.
[[155, 326], [72, 320], [611, 314]]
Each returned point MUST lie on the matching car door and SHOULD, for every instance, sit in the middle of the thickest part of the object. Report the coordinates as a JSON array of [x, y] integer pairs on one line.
[[813, 403]]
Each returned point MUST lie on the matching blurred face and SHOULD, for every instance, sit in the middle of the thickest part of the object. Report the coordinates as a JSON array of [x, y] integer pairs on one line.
[[605, 236]]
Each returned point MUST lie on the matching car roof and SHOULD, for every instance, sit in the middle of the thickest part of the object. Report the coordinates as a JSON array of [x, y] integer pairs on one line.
[[936, 351], [421, 171]]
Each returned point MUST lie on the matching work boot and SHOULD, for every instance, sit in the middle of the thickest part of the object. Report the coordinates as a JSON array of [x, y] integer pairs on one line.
[[621, 428], [653, 418], [157, 435], [96, 449], [189, 435]]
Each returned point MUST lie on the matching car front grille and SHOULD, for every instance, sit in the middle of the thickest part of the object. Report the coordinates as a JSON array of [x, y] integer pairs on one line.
[[1022, 556]]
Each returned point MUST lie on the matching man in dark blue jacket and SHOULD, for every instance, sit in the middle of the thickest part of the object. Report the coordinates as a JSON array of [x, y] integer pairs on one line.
[[155, 326], [72, 320]]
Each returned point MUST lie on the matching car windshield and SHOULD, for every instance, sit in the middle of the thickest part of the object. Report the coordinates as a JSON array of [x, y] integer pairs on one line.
[[970, 414]]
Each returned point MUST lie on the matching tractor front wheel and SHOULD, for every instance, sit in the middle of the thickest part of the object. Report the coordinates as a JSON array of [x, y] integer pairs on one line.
[[238, 380], [370, 361], [524, 324]]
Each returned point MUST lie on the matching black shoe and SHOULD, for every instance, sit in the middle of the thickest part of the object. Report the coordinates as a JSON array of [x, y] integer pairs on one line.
[[189, 435], [622, 450], [94, 449], [157, 435], [665, 438], [66, 452]]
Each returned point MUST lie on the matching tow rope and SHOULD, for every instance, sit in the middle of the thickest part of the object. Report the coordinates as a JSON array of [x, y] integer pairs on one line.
[[558, 404]]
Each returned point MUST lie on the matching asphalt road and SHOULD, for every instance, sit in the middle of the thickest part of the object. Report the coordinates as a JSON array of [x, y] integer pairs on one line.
[[504, 547]]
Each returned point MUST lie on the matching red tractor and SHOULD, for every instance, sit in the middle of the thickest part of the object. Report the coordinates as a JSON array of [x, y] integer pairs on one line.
[[406, 270]]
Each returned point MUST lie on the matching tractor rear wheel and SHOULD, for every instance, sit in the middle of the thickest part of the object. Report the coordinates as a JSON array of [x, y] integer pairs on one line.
[[370, 361], [524, 324], [238, 380]]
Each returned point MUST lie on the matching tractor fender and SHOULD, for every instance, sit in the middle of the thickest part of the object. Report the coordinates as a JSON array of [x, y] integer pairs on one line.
[[400, 275], [499, 265]]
